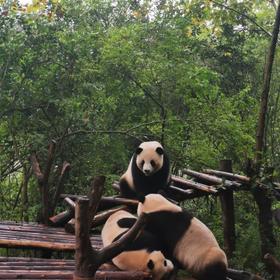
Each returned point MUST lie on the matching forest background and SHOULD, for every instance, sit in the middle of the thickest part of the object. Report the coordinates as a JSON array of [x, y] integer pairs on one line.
[[98, 77]]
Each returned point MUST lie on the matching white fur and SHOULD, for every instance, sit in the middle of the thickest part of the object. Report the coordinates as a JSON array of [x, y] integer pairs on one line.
[[133, 260], [202, 247], [149, 153], [111, 229], [156, 202], [197, 247], [128, 175]]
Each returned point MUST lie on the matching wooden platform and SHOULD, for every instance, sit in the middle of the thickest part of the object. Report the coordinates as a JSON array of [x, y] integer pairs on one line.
[[35, 236], [35, 269]]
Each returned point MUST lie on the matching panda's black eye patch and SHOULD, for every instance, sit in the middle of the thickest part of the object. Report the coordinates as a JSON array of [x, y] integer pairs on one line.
[[150, 265], [142, 162], [165, 263], [153, 164]]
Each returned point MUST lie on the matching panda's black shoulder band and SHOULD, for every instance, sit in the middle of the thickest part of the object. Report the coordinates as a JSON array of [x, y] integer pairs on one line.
[[141, 198]]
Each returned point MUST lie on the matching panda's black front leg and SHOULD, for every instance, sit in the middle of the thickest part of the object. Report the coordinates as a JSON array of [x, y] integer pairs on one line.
[[126, 191]]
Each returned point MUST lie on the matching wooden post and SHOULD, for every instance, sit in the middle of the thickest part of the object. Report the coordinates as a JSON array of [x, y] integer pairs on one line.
[[227, 204], [84, 254]]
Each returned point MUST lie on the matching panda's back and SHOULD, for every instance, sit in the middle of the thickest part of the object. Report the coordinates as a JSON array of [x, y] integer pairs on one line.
[[111, 229], [197, 246]]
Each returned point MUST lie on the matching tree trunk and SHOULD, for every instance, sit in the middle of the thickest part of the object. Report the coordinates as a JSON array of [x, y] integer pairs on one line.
[[261, 195], [227, 204]]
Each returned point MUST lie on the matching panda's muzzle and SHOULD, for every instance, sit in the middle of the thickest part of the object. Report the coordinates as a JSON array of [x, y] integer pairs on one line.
[[147, 172]]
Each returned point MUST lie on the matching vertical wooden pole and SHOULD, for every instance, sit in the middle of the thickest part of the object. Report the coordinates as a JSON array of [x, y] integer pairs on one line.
[[84, 254], [227, 204]]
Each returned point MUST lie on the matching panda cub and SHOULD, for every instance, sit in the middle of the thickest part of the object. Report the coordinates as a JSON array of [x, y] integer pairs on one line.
[[186, 239], [147, 172], [142, 254]]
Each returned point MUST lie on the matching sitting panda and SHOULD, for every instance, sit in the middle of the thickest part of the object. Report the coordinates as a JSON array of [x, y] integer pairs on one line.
[[142, 254], [185, 238], [147, 172]]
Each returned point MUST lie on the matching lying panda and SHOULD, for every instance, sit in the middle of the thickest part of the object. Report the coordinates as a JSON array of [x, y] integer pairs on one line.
[[186, 238], [147, 172], [142, 254]]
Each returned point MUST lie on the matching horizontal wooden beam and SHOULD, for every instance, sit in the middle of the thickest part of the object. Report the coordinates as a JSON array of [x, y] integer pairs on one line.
[[182, 182], [211, 179], [228, 175]]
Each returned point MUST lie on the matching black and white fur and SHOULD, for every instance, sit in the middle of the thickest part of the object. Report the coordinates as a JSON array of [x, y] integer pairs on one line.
[[142, 254], [187, 239], [147, 172]]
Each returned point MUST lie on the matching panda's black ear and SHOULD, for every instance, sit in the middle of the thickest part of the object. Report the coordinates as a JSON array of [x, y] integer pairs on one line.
[[138, 150], [150, 265], [159, 150]]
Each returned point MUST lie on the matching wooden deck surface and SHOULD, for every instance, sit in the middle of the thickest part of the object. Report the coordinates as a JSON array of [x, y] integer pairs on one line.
[[34, 268], [22, 235]]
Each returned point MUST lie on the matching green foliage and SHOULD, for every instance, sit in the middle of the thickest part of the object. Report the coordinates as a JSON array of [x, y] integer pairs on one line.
[[100, 76]]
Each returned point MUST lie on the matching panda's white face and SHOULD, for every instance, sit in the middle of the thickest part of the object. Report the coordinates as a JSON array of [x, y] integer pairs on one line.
[[158, 265], [149, 157]]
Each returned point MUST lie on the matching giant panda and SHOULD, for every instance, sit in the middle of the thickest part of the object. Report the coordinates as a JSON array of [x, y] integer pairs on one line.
[[142, 254], [147, 172], [186, 239]]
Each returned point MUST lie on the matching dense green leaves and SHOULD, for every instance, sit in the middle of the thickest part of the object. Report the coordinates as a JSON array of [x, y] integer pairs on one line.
[[100, 76]]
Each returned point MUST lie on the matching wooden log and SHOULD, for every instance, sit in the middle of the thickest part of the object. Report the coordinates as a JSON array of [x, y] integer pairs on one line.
[[180, 190], [104, 275], [72, 196], [95, 195], [87, 259], [60, 183], [242, 275], [227, 205], [182, 182], [272, 261], [70, 226], [70, 203], [29, 229], [39, 239], [102, 217], [211, 179], [115, 201], [106, 202], [61, 218], [16, 260], [228, 175], [116, 186], [84, 254], [37, 244], [178, 194]]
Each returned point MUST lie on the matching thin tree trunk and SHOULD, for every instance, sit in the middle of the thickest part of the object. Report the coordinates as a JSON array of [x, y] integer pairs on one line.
[[261, 195], [260, 137], [227, 204], [27, 172]]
